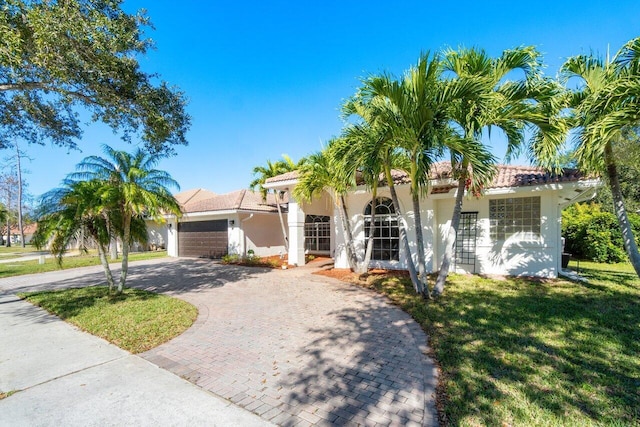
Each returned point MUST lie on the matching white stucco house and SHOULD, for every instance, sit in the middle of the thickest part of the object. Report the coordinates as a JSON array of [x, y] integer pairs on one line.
[[213, 225], [513, 229]]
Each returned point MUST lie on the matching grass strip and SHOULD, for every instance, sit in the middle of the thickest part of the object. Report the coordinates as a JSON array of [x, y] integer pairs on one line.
[[135, 321], [532, 352], [30, 267]]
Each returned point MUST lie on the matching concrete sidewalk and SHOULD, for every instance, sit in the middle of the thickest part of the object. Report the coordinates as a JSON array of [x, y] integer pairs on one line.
[[63, 376]]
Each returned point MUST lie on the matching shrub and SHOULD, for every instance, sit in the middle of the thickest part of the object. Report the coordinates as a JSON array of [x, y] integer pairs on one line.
[[591, 233]]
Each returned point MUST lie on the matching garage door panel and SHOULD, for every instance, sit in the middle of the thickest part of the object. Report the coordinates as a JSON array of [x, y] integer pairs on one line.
[[203, 239]]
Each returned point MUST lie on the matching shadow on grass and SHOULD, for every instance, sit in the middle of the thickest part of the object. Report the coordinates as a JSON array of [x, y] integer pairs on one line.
[[518, 351]]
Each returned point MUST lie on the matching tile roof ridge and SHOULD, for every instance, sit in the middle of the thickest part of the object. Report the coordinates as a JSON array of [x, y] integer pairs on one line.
[[240, 199]]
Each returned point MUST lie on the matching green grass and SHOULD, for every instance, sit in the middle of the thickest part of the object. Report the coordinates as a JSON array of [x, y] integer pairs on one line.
[[16, 249], [135, 321], [28, 267], [533, 352]]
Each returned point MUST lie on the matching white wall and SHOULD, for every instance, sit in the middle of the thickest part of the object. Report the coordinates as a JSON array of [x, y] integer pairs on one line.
[[263, 234], [537, 257], [157, 234]]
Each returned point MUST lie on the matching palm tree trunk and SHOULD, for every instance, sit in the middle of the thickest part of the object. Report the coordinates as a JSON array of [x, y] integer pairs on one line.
[[284, 230], [102, 252], [364, 267], [126, 238], [451, 238], [621, 212], [346, 225], [417, 285], [422, 268]]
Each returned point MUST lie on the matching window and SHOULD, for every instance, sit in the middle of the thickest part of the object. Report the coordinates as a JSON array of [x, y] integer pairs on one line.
[[514, 215], [466, 238], [317, 233], [386, 240]]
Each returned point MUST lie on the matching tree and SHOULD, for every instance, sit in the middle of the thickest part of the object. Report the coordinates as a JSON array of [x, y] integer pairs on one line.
[[321, 172], [604, 107], [262, 173], [131, 190], [59, 55], [72, 213], [8, 188], [497, 102]]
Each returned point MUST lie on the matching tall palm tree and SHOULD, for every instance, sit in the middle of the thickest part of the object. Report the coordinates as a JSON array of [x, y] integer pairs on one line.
[[375, 116], [603, 107], [262, 173], [497, 102], [131, 189]]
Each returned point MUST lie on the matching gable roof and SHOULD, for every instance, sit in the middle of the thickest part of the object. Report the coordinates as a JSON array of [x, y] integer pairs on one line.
[[507, 176], [240, 200], [193, 195]]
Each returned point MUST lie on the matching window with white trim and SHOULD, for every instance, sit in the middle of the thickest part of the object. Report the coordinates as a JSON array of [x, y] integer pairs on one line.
[[515, 215], [386, 234]]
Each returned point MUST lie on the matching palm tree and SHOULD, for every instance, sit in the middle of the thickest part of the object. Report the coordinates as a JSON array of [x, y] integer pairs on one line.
[[604, 107], [321, 172], [496, 102], [71, 213], [131, 190], [375, 115], [262, 173]]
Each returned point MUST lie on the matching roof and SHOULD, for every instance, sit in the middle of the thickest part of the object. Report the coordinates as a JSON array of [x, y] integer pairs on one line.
[[27, 228], [193, 195], [287, 176], [507, 176], [241, 200]]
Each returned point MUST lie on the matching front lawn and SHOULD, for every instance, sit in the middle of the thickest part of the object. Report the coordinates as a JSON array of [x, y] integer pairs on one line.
[[29, 267], [135, 321], [533, 352]]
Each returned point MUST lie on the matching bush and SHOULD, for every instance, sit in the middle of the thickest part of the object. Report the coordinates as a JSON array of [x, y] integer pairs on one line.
[[594, 234]]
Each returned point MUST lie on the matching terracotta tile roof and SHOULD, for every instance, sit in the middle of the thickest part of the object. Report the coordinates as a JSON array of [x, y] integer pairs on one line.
[[27, 228], [507, 176], [283, 177], [237, 200]]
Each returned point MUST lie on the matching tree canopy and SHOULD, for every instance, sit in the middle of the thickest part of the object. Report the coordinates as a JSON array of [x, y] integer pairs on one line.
[[56, 56]]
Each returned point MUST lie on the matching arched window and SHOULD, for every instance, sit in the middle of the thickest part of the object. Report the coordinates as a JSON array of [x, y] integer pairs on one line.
[[386, 240]]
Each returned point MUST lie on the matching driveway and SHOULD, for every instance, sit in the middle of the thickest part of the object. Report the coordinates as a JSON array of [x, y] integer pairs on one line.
[[292, 347]]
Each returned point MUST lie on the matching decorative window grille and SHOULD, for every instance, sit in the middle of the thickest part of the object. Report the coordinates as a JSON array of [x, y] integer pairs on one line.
[[386, 234], [317, 233], [466, 239]]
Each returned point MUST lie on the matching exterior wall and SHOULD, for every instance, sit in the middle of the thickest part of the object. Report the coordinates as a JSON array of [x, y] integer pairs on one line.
[[356, 204], [157, 234], [514, 256], [172, 236], [262, 233]]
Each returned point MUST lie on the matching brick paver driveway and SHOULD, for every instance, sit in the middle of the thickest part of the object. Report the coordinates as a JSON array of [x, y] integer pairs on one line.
[[293, 347]]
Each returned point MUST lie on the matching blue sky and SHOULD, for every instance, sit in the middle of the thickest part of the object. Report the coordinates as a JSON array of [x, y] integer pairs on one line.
[[265, 78]]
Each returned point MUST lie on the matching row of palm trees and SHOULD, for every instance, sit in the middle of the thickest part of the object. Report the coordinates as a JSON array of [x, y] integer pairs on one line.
[[446, 104], [106, 199]]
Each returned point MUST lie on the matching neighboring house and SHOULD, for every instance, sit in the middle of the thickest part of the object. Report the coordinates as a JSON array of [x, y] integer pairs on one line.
[[213, 225], [513, 229], [28, 229]]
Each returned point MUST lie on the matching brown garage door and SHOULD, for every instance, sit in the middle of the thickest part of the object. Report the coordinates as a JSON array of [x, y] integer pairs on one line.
[[203, 239]]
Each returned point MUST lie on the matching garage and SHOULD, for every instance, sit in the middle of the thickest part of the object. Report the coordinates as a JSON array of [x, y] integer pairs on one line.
[[203, 239]]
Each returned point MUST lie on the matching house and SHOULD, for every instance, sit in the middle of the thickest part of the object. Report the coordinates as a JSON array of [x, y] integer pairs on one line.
[[214, 225], [513, 229], [28, 229]]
